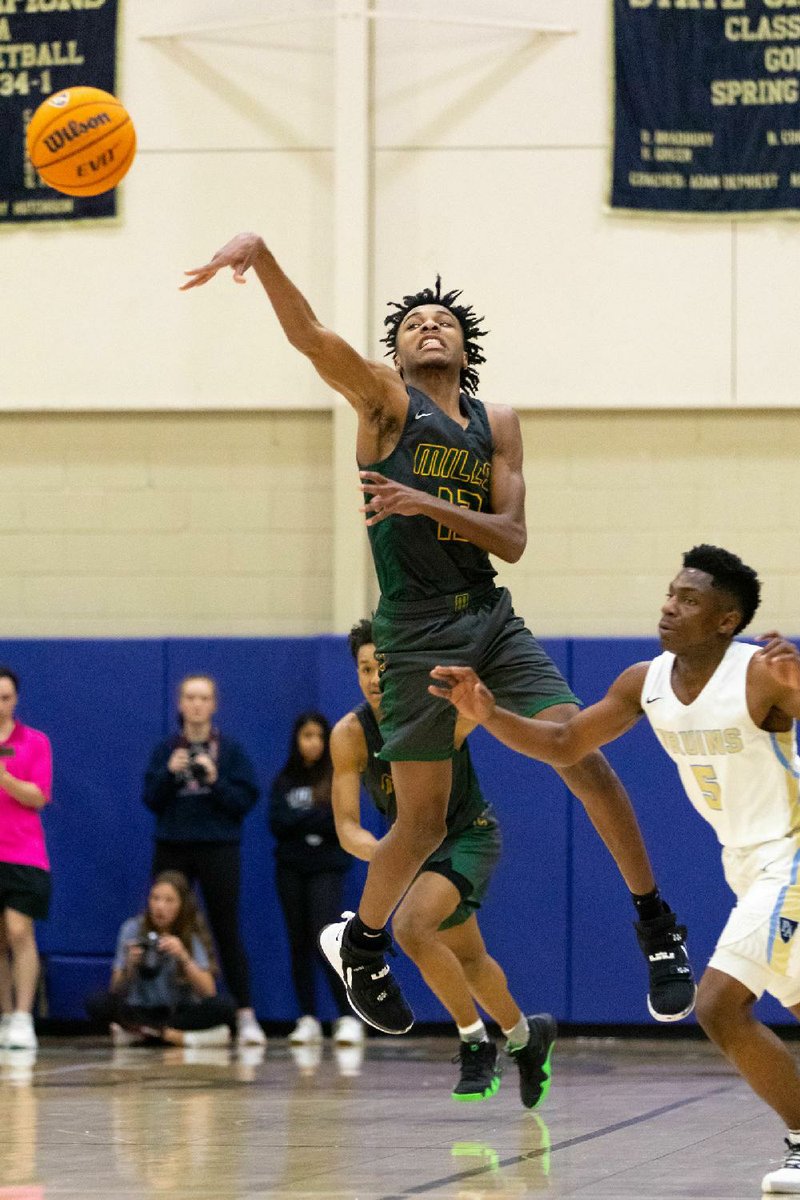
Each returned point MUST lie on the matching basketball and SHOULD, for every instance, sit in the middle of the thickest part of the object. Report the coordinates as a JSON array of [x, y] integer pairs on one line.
[[81, 141]]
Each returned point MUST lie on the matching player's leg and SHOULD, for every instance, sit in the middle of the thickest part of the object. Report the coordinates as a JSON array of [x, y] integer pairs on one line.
[[357, 948], [786, 1179], [429, 901], [672, 988], [422, 790], [530, 1040], [725, 1011], [432, 899], [526, 680]]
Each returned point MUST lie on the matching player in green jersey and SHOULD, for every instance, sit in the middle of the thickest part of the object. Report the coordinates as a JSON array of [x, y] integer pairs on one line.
[[442, 478], [436, 921]]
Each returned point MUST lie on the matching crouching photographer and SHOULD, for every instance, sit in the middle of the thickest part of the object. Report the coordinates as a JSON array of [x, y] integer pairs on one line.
[[163, 982]]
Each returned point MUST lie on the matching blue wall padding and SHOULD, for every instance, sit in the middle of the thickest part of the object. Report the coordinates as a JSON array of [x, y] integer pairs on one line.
[[558, 916]]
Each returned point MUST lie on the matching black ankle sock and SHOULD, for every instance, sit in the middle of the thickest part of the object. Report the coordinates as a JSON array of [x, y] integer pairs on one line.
[[363, 937], [649, 906]]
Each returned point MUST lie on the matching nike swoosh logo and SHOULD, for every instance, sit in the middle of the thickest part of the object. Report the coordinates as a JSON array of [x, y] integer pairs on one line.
[[417, 417], [652, 699]]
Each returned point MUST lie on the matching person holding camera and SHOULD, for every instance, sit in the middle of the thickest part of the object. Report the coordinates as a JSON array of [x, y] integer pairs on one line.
[[26, 772], [163, 982], [200, 784]]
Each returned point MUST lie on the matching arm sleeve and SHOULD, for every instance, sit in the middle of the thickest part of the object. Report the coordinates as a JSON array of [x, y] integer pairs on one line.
[[285, 821], [126, 934], [199, 953], [236, 789], [41, 766], [160, 785]]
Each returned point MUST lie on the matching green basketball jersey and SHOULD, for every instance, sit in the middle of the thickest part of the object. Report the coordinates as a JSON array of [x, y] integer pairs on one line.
[[466, 800], [417, 558]]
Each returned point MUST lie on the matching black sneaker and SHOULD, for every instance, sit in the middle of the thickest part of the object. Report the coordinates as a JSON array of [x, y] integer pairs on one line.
[[372, 991], [672, 987], [533, 1060], [480, 1077]]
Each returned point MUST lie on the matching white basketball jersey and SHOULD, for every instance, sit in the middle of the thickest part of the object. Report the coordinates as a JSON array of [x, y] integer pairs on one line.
[[743, 780]]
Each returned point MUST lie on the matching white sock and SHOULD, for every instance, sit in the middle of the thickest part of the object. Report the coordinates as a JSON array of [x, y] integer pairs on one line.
[[794, 1136], [473, 1033], [520, 1034]]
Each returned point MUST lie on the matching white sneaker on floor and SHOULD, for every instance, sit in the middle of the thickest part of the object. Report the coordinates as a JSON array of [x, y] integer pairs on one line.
[[16, 1067], [349, 1059], [306, 1056], [249, 1032], [217, 1035], [786, 1180], [123, 1037], [199, 1056], [348, 1031], [306, 1032], [20, 1034], [5, 1021]]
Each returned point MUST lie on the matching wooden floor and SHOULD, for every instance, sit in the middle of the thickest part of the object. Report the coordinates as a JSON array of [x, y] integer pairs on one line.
[[654, 1121]]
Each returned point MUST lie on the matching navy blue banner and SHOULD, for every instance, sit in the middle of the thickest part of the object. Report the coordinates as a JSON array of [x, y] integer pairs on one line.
[[46, 46], [707, 106]]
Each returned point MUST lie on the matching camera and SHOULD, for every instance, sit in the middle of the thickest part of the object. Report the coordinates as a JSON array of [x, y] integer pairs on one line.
[[152, 956], [195, 769]]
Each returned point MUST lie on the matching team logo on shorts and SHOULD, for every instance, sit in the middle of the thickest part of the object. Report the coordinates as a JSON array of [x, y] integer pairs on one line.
[[787, 929]]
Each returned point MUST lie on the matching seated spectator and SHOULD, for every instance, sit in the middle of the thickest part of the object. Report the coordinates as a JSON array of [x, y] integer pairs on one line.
[[163, 982], [200, 785], [310, 870]]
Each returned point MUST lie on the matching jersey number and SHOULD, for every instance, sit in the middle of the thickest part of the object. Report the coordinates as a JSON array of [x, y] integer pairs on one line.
[[464, 499], [709, 785]]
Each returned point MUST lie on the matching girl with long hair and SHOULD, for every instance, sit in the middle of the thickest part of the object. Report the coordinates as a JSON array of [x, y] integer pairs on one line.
[[163, 982]]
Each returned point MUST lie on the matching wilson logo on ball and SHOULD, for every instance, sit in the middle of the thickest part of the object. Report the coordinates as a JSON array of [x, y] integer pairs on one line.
[[75, 129]]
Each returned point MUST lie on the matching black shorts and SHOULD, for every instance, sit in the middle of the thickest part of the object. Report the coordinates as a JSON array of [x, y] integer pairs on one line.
[[25, 889], [479, 630]]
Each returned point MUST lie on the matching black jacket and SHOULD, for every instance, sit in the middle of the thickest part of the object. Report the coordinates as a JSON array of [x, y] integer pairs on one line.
[[205, 813], [304, 830]]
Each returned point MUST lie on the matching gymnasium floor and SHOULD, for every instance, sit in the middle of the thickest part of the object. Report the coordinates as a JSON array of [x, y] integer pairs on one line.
[[644, 1120]]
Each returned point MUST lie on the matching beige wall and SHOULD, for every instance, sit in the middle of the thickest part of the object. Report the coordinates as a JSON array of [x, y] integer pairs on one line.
[[125, 525], [146, 524], [490, 166]]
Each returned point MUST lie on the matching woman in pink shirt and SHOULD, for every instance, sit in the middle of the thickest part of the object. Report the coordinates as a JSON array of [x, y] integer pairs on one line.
[[25, 780]]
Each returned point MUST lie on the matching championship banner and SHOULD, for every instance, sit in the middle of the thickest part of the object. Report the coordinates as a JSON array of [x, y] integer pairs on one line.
[[46, 46], [706, 107]]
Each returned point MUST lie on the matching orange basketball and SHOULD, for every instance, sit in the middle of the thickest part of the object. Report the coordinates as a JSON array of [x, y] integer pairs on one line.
[[81, 141]]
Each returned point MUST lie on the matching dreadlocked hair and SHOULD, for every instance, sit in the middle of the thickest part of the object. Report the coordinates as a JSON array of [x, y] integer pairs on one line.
[[729, 574], [465, 315]]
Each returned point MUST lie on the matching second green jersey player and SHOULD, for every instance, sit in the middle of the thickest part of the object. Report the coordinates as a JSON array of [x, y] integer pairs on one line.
[[436, 921]]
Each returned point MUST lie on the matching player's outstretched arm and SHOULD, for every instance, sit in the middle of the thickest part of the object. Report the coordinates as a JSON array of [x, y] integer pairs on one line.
[[560, 744], [348, 753], [360, 381]]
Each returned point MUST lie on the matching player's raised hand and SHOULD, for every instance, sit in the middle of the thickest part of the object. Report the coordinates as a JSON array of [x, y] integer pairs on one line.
[[462, 687], [781, 657], [239, 254]]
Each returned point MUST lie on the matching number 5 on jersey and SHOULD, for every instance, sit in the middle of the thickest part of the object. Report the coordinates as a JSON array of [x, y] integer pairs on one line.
[[709, 785]]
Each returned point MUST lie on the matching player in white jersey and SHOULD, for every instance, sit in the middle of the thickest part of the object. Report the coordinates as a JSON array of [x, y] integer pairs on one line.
[[724, 711]]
